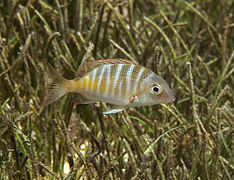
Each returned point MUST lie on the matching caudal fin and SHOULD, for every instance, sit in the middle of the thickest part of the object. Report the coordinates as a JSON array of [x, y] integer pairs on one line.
[[57, 86]]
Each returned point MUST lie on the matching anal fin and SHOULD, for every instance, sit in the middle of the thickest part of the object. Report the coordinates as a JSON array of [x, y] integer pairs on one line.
[[79, 99]]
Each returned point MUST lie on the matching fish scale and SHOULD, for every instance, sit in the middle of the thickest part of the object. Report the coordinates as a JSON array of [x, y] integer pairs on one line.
[[113, 81], [117, 71]]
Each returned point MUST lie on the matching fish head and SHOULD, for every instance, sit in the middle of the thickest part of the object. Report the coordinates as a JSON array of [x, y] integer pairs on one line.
[[154, 90]]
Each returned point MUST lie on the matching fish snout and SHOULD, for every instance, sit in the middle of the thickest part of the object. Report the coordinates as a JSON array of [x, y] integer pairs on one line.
[[172, 98], [167, 97]]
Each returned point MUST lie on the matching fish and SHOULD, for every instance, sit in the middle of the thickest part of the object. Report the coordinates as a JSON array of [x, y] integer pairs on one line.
[[120, 82]]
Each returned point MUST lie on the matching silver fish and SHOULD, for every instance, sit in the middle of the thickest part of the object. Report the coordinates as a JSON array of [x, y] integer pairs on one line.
[[123, 83]]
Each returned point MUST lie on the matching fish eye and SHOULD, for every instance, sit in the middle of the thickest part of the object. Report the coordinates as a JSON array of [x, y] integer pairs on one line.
[[156, 89]]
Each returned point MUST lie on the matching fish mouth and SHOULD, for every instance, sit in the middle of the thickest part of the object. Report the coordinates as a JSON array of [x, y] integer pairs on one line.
[[167, 97], [171, 98]]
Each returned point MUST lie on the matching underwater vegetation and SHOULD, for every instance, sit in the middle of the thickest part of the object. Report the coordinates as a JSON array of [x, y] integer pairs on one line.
[[187, 43]]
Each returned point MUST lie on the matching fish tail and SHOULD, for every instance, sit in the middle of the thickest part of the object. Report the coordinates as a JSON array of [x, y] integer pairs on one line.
[[58, 86]]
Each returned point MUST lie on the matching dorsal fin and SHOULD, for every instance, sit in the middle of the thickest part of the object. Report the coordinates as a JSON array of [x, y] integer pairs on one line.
[[90, 65], [116, 61]]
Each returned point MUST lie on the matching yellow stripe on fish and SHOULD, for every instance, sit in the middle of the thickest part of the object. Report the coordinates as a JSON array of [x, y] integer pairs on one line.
[[113, 81], [117, 81]]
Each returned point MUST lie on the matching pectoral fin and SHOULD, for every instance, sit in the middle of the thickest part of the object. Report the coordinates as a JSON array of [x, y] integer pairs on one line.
[[117, 109], [134, 99]]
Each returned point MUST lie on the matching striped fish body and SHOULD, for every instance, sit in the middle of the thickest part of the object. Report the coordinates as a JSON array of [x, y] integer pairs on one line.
[[120, 82], [113, 83]]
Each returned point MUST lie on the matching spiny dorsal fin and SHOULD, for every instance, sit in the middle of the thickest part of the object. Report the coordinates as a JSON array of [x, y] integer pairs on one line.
[[90, 65]]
